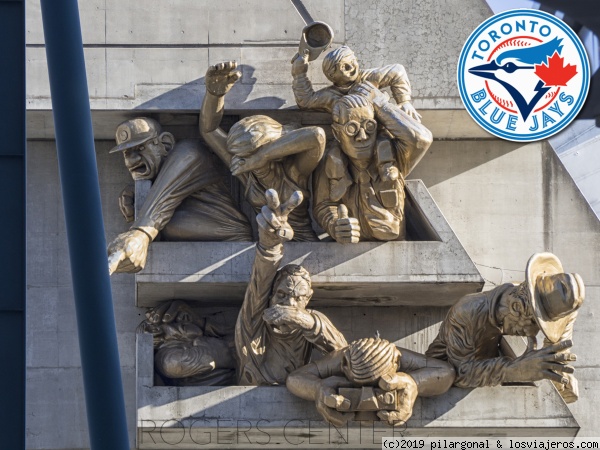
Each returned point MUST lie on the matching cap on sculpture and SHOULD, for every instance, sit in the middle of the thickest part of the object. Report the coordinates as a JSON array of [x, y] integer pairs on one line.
[[134, 132], [553, 310]]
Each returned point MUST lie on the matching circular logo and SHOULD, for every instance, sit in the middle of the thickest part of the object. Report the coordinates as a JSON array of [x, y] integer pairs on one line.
[[523, 75]]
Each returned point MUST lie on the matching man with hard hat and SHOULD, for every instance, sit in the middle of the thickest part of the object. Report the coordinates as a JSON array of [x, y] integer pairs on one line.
[[188, 200], [547, 300]]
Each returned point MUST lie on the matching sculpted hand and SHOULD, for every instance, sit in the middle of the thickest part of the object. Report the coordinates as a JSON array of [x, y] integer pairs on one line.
[[221, 77], [289, 317], [240, 165], [128, 252], [127, 203], [347, 229], [406, 390], [409, 109], [546, 363], [300, 64], [328, 401], [175, 311], [389, 172], [273, 227]]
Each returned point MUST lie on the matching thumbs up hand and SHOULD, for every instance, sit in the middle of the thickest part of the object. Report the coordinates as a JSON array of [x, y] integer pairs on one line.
[[346, 229]]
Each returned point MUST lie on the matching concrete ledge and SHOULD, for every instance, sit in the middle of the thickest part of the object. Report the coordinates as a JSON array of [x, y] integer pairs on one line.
[[448, 123], [271, 417], [433, 272]]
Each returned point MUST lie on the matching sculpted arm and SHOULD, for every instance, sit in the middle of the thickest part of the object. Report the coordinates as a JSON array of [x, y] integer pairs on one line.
[[324, 335], [220, 78], [432, 376], [183, 173], [306, 97], [305, 146]]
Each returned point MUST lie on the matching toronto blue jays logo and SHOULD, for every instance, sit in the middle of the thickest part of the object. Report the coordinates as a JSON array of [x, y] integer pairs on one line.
[[523, 75]]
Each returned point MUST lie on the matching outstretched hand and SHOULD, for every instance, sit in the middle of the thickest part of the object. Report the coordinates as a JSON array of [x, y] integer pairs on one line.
[[546, 363], [128, 252], [273, 226], [409, 109], [221, 77]]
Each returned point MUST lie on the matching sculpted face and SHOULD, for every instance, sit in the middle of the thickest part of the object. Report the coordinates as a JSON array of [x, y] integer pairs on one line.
[[144, 161], [345, 73], [291, 291], [520, 322], [358, 133]]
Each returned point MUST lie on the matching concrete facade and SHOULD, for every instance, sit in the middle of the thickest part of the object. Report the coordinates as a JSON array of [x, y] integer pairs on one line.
[[504, 201]]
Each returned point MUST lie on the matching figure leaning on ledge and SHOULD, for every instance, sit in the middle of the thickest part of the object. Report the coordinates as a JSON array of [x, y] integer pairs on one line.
[[275, 333], [358, 187], [191, 350], [188, 200], [342, 384], [262, 153], [340, 66], [548, 300]]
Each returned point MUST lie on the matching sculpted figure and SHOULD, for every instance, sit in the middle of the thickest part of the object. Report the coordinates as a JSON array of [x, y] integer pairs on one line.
[[340, 66], [341, 384], [262, 153], [191, 350], [275, 333], [188, 200], [548, 300], [359, 186]]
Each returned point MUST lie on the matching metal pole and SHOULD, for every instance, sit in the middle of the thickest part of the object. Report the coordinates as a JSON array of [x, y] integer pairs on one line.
[[12, 211], [85, 230]]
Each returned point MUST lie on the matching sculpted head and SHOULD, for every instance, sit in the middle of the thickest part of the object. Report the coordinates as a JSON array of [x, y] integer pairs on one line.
[[144, 146], [556, 297], [340, 66], [515, 313], [365, 361], [291, 287], [547, 300], [249, 134], [354, 126]]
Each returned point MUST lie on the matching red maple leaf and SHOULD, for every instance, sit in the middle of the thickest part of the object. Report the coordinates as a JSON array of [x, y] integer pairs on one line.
[[555, 73]]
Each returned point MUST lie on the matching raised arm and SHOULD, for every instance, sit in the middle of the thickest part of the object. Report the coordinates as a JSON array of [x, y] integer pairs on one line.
[[273, 230], [306, 97], [219, 79]]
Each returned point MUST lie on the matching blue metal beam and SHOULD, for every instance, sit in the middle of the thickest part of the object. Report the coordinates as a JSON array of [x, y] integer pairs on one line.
[[12, 211], [85, 230]]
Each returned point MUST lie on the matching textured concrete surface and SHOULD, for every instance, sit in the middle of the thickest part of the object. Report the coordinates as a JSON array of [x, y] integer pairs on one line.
[[153, 55], [248, 417]]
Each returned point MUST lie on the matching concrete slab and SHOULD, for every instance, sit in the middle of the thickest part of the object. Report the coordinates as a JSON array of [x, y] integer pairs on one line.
[[433, 271], [271, 417]]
